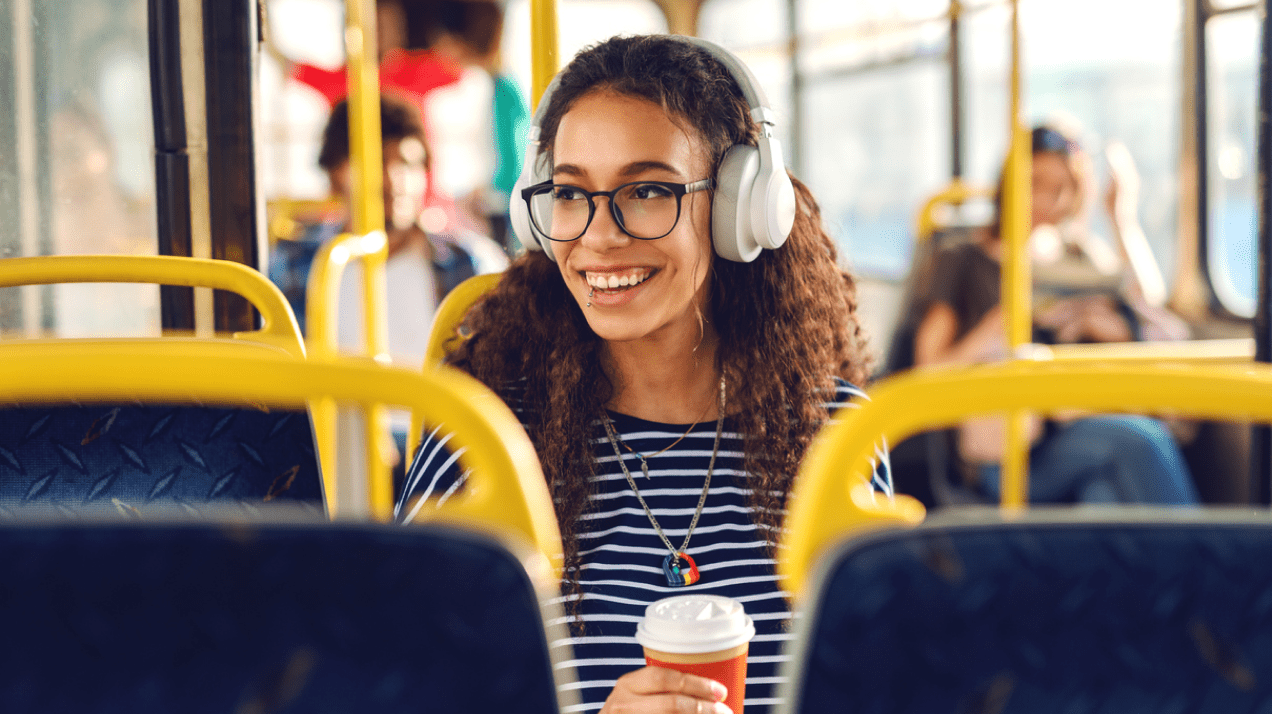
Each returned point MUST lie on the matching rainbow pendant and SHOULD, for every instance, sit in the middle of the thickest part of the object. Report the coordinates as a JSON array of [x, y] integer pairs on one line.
[[680, 574]]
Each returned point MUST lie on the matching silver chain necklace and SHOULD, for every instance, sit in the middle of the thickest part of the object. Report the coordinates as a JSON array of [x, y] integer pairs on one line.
[[677, 576]]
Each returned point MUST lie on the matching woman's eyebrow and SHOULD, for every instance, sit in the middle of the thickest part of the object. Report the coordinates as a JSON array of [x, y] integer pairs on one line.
[[635, 168], [640, 167], [568, 170]]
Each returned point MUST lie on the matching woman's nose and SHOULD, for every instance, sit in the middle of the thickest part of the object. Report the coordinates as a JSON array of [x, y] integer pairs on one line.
[[604, 232]]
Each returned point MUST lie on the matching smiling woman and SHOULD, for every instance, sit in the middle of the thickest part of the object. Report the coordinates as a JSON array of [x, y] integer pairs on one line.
[[681, 320]]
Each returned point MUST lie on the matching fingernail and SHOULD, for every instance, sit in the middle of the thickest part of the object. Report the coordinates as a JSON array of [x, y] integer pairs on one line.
[[721, 708], [719, 690]]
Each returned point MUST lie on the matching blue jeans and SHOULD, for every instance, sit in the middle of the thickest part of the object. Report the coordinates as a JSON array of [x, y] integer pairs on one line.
[[1105, 459]]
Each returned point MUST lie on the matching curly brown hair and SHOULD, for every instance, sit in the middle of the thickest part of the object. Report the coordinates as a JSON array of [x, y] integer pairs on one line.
[[789, 315]]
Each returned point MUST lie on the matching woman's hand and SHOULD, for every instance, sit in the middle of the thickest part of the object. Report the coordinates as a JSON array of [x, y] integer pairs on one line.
[[1095, 318], [656, 689]]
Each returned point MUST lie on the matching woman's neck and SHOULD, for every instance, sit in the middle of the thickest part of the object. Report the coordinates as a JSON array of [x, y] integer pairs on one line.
[[667, 379]]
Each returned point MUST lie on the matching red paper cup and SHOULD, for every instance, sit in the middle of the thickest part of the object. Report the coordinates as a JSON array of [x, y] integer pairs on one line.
[[705, 635]]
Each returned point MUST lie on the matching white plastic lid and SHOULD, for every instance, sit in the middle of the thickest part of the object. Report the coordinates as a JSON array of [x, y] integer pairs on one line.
[[690, 624]]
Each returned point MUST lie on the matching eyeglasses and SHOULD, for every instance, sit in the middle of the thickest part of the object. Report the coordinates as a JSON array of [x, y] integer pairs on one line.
[[1046, 139], [647, 210]]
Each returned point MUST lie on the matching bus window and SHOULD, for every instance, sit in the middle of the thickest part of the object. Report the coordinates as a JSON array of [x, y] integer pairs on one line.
[[76, 160], [875, 146], [875, 108], [1232, 55], [756, 31]]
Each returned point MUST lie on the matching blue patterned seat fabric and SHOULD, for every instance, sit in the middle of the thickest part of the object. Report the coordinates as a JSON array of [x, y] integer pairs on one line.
[[76, 458], [317, 618], [1041, 618]]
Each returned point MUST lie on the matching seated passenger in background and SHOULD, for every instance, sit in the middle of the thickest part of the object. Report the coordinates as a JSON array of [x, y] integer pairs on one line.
[[1097, 459], [422, 267], [669, 372]]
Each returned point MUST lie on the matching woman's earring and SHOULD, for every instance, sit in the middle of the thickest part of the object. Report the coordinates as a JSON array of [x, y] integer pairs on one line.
[[590, 294]]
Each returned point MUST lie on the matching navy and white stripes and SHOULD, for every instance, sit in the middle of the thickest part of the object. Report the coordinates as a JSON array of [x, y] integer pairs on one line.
[[622, 555]]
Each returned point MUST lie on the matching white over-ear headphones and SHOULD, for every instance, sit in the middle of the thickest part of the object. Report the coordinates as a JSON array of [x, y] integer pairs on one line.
[[754, 204]]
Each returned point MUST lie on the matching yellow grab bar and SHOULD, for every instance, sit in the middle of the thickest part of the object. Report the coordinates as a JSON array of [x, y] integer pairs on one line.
[[505, 492], [322, 318], [1017, 282], [279, 324], [956, 193], [823, 508], [543, 48], [323, 290], [451, 313]]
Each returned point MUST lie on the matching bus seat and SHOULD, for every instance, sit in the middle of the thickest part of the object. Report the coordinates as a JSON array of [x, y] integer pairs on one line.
[[1120, 610], [1094, 609], [133, 455], [451, 312], [136, 457], [269, 617], [508, 494], [828, 503]]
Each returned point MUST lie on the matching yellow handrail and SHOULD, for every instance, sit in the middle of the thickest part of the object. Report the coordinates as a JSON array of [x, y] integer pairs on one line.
[[1016, 281], [451, 313], [279, 326], [956, 193], [543, 48], [322, 318], [366, 242], [505, 491], [824, 505]]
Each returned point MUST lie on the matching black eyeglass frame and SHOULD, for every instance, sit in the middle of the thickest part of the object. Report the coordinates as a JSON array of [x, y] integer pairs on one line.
[[677, 189]]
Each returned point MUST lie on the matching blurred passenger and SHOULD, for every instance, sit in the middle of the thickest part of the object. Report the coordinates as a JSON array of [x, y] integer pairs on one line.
[[959, 320], [412, 73], [422, 267]]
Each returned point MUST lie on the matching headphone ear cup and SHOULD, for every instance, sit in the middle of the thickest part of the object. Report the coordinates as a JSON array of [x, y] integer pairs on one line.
[[772, 198], [519, 213], [731, 231]]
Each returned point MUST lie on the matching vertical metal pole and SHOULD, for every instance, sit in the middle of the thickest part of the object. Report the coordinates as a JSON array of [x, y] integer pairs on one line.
[[1261, 437], [25, 158], [367, 166], [1202, 109], [1017, 282], [795, 152], [10, 176], [41, 53], [231, 40], [543, 47], [172, 167], [956, 91]]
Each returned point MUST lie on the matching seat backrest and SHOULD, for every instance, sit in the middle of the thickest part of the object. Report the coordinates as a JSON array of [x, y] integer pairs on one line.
[[444, 335], [1121, 612], [136, 457], [268, 618], [131, 455]]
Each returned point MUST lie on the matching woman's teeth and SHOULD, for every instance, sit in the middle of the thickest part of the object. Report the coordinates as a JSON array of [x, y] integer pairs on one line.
[[613, 281]]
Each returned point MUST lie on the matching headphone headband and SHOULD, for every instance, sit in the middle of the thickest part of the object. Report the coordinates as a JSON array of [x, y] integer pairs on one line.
[[754, 203]]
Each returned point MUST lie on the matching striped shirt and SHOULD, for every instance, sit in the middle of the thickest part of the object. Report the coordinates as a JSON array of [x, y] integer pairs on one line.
[[622, 555]]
